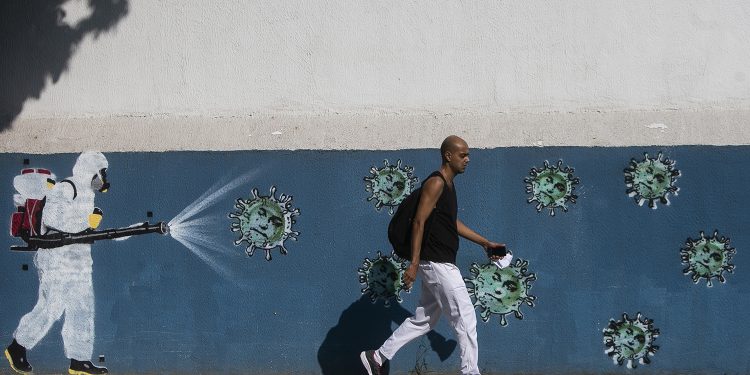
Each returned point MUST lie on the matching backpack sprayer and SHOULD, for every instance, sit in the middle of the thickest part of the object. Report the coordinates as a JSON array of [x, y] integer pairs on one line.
[[58, 239], [26, 222]]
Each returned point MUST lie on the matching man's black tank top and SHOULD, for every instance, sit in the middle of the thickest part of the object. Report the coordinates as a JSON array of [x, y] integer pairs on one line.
[[440, 243]]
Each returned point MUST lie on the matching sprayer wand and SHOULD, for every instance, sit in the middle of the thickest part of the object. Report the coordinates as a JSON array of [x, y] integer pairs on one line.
[[58, 239]]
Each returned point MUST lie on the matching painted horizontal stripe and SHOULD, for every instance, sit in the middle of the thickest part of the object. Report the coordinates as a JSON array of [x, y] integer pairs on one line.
[[377, 131]]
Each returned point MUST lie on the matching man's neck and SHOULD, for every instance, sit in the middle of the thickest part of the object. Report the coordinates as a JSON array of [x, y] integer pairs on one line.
[[447, 173]]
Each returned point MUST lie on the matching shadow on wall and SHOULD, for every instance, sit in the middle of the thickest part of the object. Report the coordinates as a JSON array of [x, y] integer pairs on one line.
[[37, 42], [365, 325]]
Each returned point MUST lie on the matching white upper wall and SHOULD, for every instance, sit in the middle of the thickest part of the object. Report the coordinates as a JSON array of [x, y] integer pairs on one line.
[[212, 60], [241, 57]]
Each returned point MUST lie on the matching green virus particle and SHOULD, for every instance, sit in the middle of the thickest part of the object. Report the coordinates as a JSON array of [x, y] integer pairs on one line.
[[381, 278], [390, 185], [500, 290], [651, 179], [707, 258], [630, 340], [551, 187], [264, 222]]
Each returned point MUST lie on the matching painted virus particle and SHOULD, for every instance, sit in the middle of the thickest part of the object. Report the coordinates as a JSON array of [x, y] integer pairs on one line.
[[381, 278], [264, 222], [500, 290], [390, 185], [707, 258], [651, 179], [551, 187], [630, 340]]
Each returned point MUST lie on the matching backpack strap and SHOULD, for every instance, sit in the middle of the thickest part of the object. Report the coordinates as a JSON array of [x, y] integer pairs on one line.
[[75, 191]]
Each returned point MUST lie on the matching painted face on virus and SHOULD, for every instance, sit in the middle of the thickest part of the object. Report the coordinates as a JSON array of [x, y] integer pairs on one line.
[[500, 291], [651, 180], [707, 258], [390, 185], [381, 278], [630, 340], [551, 187], [264, 222]]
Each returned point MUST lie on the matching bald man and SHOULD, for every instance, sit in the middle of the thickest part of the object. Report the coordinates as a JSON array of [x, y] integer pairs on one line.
[[434, 259]]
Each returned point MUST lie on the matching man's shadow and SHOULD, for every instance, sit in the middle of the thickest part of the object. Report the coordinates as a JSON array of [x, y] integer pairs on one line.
[[363, 326]]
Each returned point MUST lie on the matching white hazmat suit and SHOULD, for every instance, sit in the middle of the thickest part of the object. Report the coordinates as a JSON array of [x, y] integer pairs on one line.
[[65, 282]]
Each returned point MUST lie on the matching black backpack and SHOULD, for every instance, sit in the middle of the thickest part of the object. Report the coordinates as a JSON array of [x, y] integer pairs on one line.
[[399, 229]]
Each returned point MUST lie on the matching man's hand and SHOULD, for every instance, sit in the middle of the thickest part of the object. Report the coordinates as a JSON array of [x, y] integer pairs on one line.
[[410, 275], [489, 246]]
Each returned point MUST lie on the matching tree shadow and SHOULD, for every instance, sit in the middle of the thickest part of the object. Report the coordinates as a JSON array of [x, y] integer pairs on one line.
[[365, 325], [36, 43]]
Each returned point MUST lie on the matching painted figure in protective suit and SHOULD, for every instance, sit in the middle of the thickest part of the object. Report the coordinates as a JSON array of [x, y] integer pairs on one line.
[[65, 273]]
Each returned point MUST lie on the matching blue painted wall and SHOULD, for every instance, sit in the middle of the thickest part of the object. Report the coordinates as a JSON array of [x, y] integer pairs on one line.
[[160, 308]]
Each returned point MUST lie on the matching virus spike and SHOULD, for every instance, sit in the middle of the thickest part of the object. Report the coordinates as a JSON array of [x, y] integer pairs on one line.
[[250, 250], [530, 300], [503, 321]]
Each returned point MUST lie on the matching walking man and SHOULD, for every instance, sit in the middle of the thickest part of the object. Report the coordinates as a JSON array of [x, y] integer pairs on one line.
[[434, 260]]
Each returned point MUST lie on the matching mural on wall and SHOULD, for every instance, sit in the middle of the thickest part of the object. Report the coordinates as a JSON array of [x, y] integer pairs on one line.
[[264, 222], [195, 229], [262, 217], [651, 179], [630, 340], [381, 278], [707, 258], [500, 291], [32, 185], [390, 185], [65, 271], [551, 187]]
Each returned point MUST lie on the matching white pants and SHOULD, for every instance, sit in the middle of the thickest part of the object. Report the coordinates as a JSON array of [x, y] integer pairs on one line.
[[64, 288], [443, 291]]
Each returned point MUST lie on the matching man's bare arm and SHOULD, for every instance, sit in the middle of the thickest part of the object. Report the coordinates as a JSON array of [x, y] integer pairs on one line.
[[475, 237], [431, 191]]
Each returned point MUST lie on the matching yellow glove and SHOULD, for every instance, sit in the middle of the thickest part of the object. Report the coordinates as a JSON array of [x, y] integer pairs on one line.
[[95, 218]]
